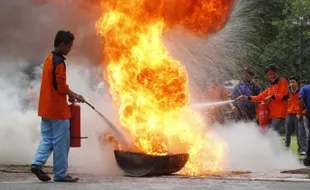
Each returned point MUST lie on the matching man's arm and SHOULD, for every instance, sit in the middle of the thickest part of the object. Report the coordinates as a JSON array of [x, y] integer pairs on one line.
[[282, 92], [234, 94], [62, 86], [302, 97], [61, 80], [301, 106], [260, 97]]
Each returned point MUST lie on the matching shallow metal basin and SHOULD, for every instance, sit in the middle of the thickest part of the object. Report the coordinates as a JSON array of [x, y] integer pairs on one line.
[[138, 165]]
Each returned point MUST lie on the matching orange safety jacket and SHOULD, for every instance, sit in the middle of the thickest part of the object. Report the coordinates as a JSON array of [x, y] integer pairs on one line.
[[53, 99], [293, 102], [278, 89]]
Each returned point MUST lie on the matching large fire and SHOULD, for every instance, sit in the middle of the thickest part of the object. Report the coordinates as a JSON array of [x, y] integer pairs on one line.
[[150, 86]]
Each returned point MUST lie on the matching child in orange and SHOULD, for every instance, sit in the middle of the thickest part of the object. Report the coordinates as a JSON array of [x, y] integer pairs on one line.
[[291, 122]]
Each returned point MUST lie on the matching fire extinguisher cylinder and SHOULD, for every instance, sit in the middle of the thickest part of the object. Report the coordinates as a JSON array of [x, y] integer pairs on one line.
[[263, 115], [75, 126]]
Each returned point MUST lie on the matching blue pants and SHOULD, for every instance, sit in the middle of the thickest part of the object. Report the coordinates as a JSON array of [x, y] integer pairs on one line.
[[56, 138]]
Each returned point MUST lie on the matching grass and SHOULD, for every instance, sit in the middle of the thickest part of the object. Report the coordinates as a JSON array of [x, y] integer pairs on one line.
[[294, 146]]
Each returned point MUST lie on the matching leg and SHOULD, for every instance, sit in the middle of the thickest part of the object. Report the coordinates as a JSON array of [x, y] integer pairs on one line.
[[307, 159], [288, 130], [306, 123], [295, 125], [61, 142], [302, 135], [277, 124], [46, 145], [308, 148], [44, 151]]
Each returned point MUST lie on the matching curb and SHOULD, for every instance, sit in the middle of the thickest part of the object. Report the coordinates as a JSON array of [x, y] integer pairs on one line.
[[304, 180]]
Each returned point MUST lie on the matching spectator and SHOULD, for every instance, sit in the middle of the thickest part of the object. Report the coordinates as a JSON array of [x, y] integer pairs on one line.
[[304, 98], [245, 110], [291, 122], [276, 96], [303, 83], [303, 132], [258, 82]]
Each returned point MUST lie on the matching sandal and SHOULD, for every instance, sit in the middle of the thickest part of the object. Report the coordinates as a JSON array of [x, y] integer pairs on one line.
[[68, 179]]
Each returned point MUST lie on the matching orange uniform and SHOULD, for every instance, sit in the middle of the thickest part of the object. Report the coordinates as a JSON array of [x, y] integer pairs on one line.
[[293, 102], [278, 89], [53, 99]]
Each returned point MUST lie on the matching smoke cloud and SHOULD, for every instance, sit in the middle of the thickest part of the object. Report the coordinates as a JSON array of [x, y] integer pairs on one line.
[[28, 29], [251, 150], [26, 37]]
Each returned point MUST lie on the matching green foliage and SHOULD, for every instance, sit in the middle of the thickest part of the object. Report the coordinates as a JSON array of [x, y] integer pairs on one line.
[[278, 39]]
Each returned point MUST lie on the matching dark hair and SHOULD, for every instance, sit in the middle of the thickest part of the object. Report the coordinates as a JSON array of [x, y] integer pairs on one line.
[[304, 81], [271, 67], [294, 78], [65, 37]]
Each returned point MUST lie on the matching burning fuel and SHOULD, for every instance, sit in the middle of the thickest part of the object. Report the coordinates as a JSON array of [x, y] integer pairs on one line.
[[151, 87]]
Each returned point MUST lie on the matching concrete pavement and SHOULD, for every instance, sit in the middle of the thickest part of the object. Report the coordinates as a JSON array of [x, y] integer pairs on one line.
[[167, 183], [19, 178]]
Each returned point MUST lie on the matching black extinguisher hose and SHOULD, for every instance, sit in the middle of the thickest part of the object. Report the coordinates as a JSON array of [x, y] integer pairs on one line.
[[111, 125]]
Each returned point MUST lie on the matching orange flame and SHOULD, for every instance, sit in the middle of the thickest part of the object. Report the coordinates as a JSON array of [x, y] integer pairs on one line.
[[150, 86]]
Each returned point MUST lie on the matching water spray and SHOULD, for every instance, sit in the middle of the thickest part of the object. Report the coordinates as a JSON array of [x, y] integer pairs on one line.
[[211, 104]]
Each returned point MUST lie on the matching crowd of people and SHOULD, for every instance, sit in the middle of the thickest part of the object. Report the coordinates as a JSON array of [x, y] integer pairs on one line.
[[287, 99]]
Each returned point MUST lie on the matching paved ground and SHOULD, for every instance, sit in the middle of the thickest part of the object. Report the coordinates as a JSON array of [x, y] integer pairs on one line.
[[19, 178], [111, 183]]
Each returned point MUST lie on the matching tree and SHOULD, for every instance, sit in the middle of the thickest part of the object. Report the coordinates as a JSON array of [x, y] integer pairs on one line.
[[279, 38]]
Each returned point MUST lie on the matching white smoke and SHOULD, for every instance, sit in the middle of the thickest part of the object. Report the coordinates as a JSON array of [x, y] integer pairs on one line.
[[249, 149], [20, 127]]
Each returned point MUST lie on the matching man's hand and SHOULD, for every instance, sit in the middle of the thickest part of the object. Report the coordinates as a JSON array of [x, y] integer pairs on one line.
[[72, 99], [240, 98], [299, 117], [267, 100], [79, 98], [75, 97]]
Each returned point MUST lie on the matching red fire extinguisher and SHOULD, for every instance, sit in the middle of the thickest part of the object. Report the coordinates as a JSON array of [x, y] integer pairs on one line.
[[75, 126], [263, 115]]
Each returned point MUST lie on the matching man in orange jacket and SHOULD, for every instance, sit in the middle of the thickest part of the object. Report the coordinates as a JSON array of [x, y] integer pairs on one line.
[[55, 112], [291, 122], [276, 96]]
